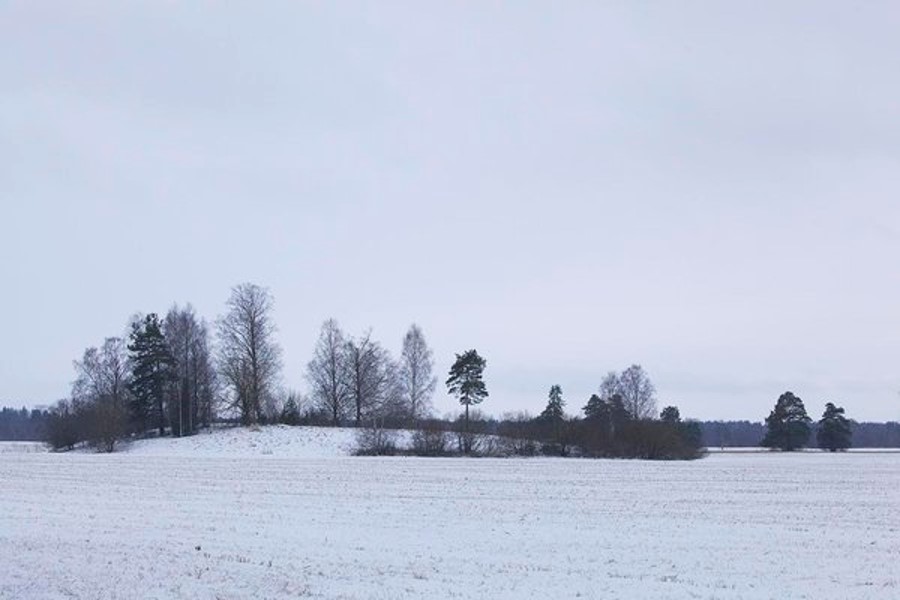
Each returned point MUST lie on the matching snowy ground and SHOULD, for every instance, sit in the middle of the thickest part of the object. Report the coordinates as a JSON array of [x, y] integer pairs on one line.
[[183, 522], [22, 447], [277, 440]]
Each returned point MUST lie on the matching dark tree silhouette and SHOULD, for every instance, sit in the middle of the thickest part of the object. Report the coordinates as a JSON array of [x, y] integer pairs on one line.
[[554, 418], [834, 429], [152, 370], [554, 411], [670, 414], [466, 383], [788, 424]]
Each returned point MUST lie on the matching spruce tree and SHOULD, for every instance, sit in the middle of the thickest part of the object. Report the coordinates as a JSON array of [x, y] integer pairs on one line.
[[554, 417], [152, 368], [554, 410], [834, 429], [788, 424]]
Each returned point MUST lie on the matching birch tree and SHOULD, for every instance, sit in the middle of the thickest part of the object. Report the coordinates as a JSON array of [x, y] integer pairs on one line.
[[327, 372], [193, 394], [249, 356], [417, 380], [100, 393], [371, 378]]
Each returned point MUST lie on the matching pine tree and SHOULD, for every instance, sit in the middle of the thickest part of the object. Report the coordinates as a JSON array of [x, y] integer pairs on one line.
[[596, 409], [152, 367], [788, 424], [466, 383], [670, 414], [834, 429]]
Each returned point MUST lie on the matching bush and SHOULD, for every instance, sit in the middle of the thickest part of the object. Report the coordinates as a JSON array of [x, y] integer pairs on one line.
[[658, 440], [375, 440], [430, 441], [64, 429]]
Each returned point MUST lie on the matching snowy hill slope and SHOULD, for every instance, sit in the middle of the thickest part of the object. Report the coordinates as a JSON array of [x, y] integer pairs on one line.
[[273, 440]]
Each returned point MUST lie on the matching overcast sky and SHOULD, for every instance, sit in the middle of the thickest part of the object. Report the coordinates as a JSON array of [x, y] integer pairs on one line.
[[709, 189]]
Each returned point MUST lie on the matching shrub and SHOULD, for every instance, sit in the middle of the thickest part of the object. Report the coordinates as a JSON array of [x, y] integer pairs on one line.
[[430, 441], [375, 440]]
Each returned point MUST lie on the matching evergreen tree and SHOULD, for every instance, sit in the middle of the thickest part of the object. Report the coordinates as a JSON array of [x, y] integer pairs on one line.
[[670, 414], [597, 425], [466, 383], [290, 413], [596, 409], [788, 424], [554, 417], [152, 371], [834, 429], [554, 411]]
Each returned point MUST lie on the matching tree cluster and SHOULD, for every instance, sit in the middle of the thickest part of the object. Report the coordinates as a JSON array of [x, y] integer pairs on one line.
[[162, 378], [618, 421], [355, 380], [789, 428]]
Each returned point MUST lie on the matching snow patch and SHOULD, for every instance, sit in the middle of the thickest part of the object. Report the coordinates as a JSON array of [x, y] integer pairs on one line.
[[273, 440]]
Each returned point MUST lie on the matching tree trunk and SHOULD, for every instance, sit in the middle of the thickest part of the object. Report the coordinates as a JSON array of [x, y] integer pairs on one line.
[[466, 437]]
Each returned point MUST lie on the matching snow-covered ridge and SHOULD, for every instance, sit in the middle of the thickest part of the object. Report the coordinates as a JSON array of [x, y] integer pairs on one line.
[[272, 440]]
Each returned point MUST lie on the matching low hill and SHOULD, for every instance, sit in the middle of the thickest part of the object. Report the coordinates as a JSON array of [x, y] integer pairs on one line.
[[272, 440]]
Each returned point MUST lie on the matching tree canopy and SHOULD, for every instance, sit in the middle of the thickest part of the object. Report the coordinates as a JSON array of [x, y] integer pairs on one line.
[[787, 424], [834, 429]]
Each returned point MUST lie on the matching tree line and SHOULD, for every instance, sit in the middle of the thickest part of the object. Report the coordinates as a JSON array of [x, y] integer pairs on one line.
[[619, 421], [788, 427], [174, 374], [21, 425]]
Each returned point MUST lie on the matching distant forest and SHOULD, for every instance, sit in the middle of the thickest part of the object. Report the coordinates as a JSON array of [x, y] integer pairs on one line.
[[736, 434], [30, 425]]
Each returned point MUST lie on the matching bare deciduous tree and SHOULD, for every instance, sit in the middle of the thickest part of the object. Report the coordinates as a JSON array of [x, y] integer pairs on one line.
[[192, 397], [102, 372], [609, 387], [416, 374], [249, 356], [99, 393], [371, 379], [638, 392], [327, 372]]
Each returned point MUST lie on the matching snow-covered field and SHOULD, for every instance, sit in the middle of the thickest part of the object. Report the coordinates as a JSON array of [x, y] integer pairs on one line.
[[188, 519], [22, 447]]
